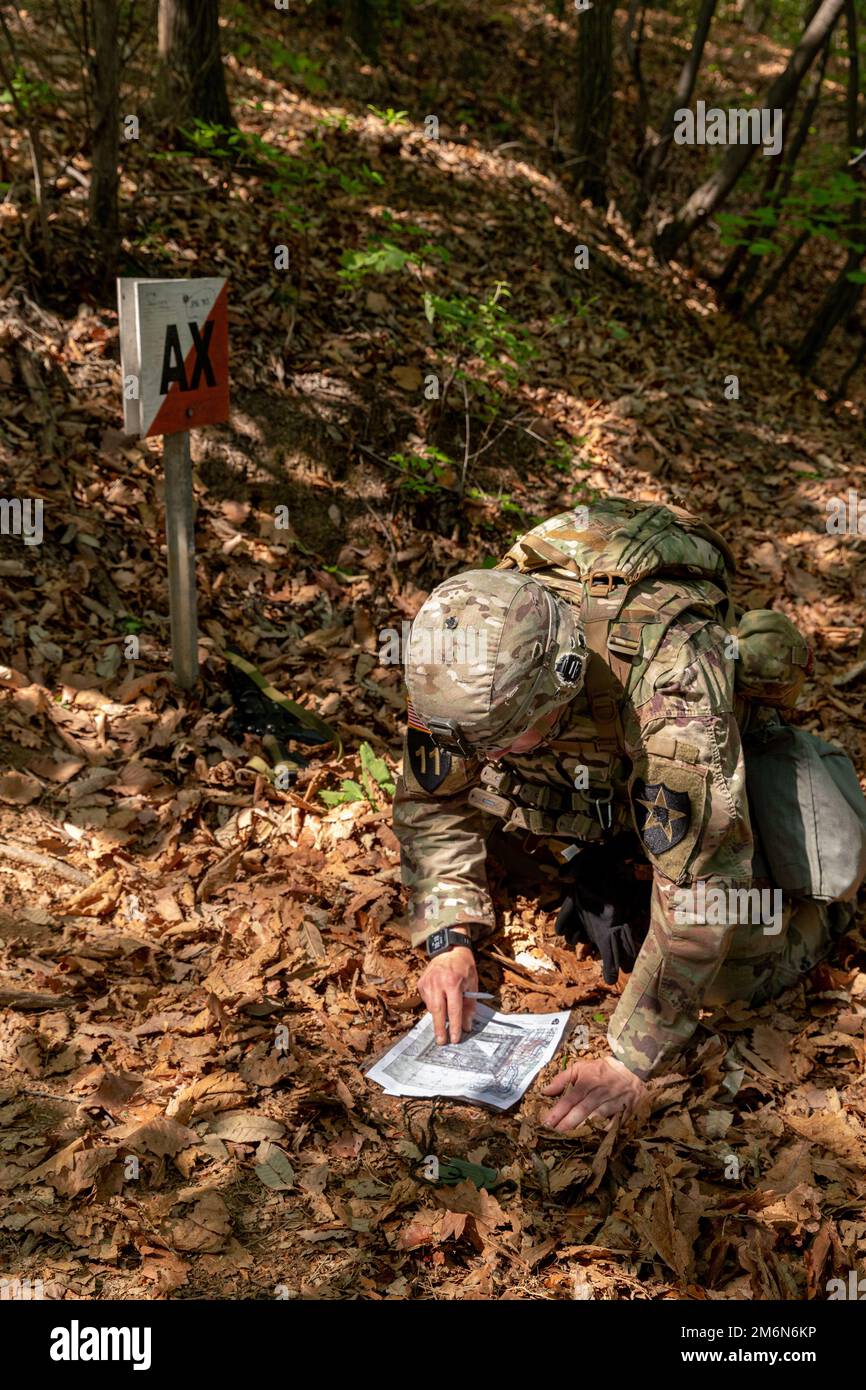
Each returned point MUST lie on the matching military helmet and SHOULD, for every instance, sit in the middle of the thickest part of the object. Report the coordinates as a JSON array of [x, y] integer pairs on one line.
[[489, 653]]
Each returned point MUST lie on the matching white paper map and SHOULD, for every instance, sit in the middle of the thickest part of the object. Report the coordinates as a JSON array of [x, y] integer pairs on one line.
[[493, 1065]]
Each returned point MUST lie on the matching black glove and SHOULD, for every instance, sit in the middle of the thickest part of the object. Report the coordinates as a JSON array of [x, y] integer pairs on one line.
[[606, 906]]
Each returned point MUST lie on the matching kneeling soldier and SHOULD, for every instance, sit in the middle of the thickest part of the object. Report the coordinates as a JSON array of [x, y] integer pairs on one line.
[[581, 698]]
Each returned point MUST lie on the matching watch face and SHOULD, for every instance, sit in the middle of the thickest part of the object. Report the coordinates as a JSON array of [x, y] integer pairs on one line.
[[435, 942]]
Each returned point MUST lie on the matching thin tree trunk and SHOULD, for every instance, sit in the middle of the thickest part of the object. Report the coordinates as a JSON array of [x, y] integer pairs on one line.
[[192, 84], [34, 142], [755, 15], [364, 25], [839, 302], [711, 194], [775, 279], [855, 124], [843, 295], [653, 161], [633, 38], [594, 99], [776, 185], [859, 358], [777, 276], [106, 138]]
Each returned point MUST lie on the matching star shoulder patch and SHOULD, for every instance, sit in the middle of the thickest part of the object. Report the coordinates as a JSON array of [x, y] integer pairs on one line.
[[663, 815], [668, 801]]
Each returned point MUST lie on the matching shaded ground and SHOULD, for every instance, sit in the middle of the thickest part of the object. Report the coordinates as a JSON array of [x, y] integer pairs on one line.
[[201, 964]]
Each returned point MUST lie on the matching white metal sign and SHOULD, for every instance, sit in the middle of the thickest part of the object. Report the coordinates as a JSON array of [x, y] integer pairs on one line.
[[174, 354]]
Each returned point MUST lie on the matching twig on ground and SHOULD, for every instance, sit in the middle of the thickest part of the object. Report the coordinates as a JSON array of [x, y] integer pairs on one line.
[[43, 861]]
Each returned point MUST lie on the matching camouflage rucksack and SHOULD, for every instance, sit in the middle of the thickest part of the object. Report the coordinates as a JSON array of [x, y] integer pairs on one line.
[[620, 562]]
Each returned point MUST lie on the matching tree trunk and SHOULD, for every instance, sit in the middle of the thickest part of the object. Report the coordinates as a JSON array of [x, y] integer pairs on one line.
[[776, 276], [839, 301], [859, 358], [654, 159], [843, 295], [364, 25], [755, 15], [106, 139], [670, 236], [34, 142], [192, 84], [776, 185], [594, 98], [633, 39]]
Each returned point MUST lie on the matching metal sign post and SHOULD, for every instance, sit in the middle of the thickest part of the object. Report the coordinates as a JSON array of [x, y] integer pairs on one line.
[[180, 538], [174, 356]]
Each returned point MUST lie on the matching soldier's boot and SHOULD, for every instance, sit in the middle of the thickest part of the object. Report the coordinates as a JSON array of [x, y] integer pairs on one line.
[[760, 966]]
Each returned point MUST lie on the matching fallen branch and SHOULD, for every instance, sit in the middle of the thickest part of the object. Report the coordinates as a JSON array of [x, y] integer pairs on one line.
[[43, 861], [33, 1002]]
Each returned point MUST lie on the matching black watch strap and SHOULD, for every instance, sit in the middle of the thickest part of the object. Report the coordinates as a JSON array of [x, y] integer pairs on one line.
[[444, 939]]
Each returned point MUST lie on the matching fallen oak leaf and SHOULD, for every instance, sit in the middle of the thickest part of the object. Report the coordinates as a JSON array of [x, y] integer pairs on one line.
[[73, 1168], [245, 1127], [206, 1228], [18, 790], [161, 1136], [431, 1228], [274, 1168], [219, 875], [209, 1093]]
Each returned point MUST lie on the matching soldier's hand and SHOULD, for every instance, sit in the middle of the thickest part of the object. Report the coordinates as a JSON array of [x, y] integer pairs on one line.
[[442, 986], [601, 1087]]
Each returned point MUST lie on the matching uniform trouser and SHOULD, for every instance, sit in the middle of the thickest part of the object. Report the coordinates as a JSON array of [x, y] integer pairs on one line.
[[759, 966]]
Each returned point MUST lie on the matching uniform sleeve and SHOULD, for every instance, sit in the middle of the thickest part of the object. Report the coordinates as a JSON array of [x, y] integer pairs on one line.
[[442, 840], [690, 810]]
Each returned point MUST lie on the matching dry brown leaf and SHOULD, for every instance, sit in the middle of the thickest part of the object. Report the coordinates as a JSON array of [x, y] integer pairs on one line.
[[206, 1227], [18, 790], [99, 898], [245, 1127]]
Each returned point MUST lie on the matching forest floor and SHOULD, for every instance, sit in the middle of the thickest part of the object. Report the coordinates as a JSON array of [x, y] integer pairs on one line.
[[178, 910]]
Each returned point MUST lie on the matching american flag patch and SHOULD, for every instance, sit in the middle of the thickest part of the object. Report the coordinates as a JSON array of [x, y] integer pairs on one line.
[[412, 719]]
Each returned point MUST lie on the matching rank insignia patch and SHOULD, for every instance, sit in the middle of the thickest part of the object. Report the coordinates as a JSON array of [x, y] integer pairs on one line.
[[663, 816], [430, 763]]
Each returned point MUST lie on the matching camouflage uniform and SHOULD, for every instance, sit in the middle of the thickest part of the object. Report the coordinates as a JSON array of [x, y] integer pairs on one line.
[[651, 739]]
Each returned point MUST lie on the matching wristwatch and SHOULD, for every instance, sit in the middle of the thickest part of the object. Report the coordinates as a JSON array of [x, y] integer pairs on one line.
[[444, 939]]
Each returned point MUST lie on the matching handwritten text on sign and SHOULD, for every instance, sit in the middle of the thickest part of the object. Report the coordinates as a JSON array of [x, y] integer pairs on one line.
[[174, 353]]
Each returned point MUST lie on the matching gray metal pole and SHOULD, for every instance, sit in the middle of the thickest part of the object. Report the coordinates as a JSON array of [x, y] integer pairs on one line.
[[180, 535]]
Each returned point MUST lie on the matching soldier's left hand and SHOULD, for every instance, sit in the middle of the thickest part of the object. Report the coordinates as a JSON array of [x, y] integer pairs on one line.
[[601, 1087]]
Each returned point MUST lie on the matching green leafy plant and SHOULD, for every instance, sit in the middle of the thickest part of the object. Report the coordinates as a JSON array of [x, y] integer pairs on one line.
[[383, 255], [423, 474], [380, 257], [32, 95], [389, 115], [375, 786], [483, 328], [563, 455]]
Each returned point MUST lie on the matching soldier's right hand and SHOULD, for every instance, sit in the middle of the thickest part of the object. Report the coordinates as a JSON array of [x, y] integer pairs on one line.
[[442, 987]]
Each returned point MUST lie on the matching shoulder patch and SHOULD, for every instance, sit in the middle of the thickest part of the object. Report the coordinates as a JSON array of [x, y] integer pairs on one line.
[[663, 815], [429, 763], [668, 800]]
